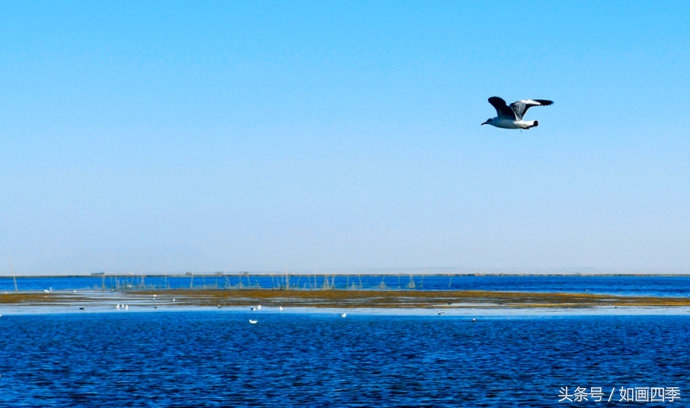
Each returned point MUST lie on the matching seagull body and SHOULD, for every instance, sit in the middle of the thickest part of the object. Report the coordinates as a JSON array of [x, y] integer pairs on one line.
[[510, 117]]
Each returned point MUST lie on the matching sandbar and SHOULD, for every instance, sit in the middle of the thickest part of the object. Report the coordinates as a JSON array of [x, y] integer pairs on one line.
[[334, 298]]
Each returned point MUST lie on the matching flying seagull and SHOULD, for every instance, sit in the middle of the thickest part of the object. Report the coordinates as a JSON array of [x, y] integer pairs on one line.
[[510, 117]]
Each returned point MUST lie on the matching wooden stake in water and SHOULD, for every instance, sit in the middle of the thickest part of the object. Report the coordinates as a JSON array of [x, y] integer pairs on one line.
[[411, 285], [14, 277]]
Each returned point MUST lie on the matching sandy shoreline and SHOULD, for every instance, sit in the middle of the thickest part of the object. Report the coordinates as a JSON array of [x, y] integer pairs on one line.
[[446, 301], [406, 298]]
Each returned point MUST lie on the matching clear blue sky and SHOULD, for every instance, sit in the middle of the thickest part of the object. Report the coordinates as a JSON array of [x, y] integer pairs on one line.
[[169, 136]]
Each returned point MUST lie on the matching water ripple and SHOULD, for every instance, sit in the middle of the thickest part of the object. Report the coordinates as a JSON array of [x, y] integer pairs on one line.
[[216, 359]]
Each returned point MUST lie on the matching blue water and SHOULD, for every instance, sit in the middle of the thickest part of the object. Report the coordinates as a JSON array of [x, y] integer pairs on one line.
[[216, 358], [622, 285]]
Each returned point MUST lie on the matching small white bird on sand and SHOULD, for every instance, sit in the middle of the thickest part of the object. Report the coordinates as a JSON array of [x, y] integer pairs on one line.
[[510, 117]]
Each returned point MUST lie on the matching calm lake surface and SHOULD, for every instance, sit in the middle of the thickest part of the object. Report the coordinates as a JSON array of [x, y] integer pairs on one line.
[[218, 359], [622, 285]]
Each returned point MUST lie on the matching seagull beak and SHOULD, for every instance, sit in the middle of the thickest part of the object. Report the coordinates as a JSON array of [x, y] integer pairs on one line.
[[484, 123]]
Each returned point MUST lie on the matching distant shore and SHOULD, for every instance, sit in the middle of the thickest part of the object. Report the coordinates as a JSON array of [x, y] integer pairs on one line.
[[411, 272], [334, 298]]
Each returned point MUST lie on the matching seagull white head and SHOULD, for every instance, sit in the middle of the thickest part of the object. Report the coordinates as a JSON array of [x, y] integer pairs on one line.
[[510, 117]]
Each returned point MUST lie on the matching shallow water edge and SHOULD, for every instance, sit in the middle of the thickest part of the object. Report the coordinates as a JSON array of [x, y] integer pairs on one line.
[[433, 295]]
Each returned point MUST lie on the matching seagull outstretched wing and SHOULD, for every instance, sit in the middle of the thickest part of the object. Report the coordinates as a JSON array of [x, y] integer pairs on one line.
[[520, 107], [502, 109]]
